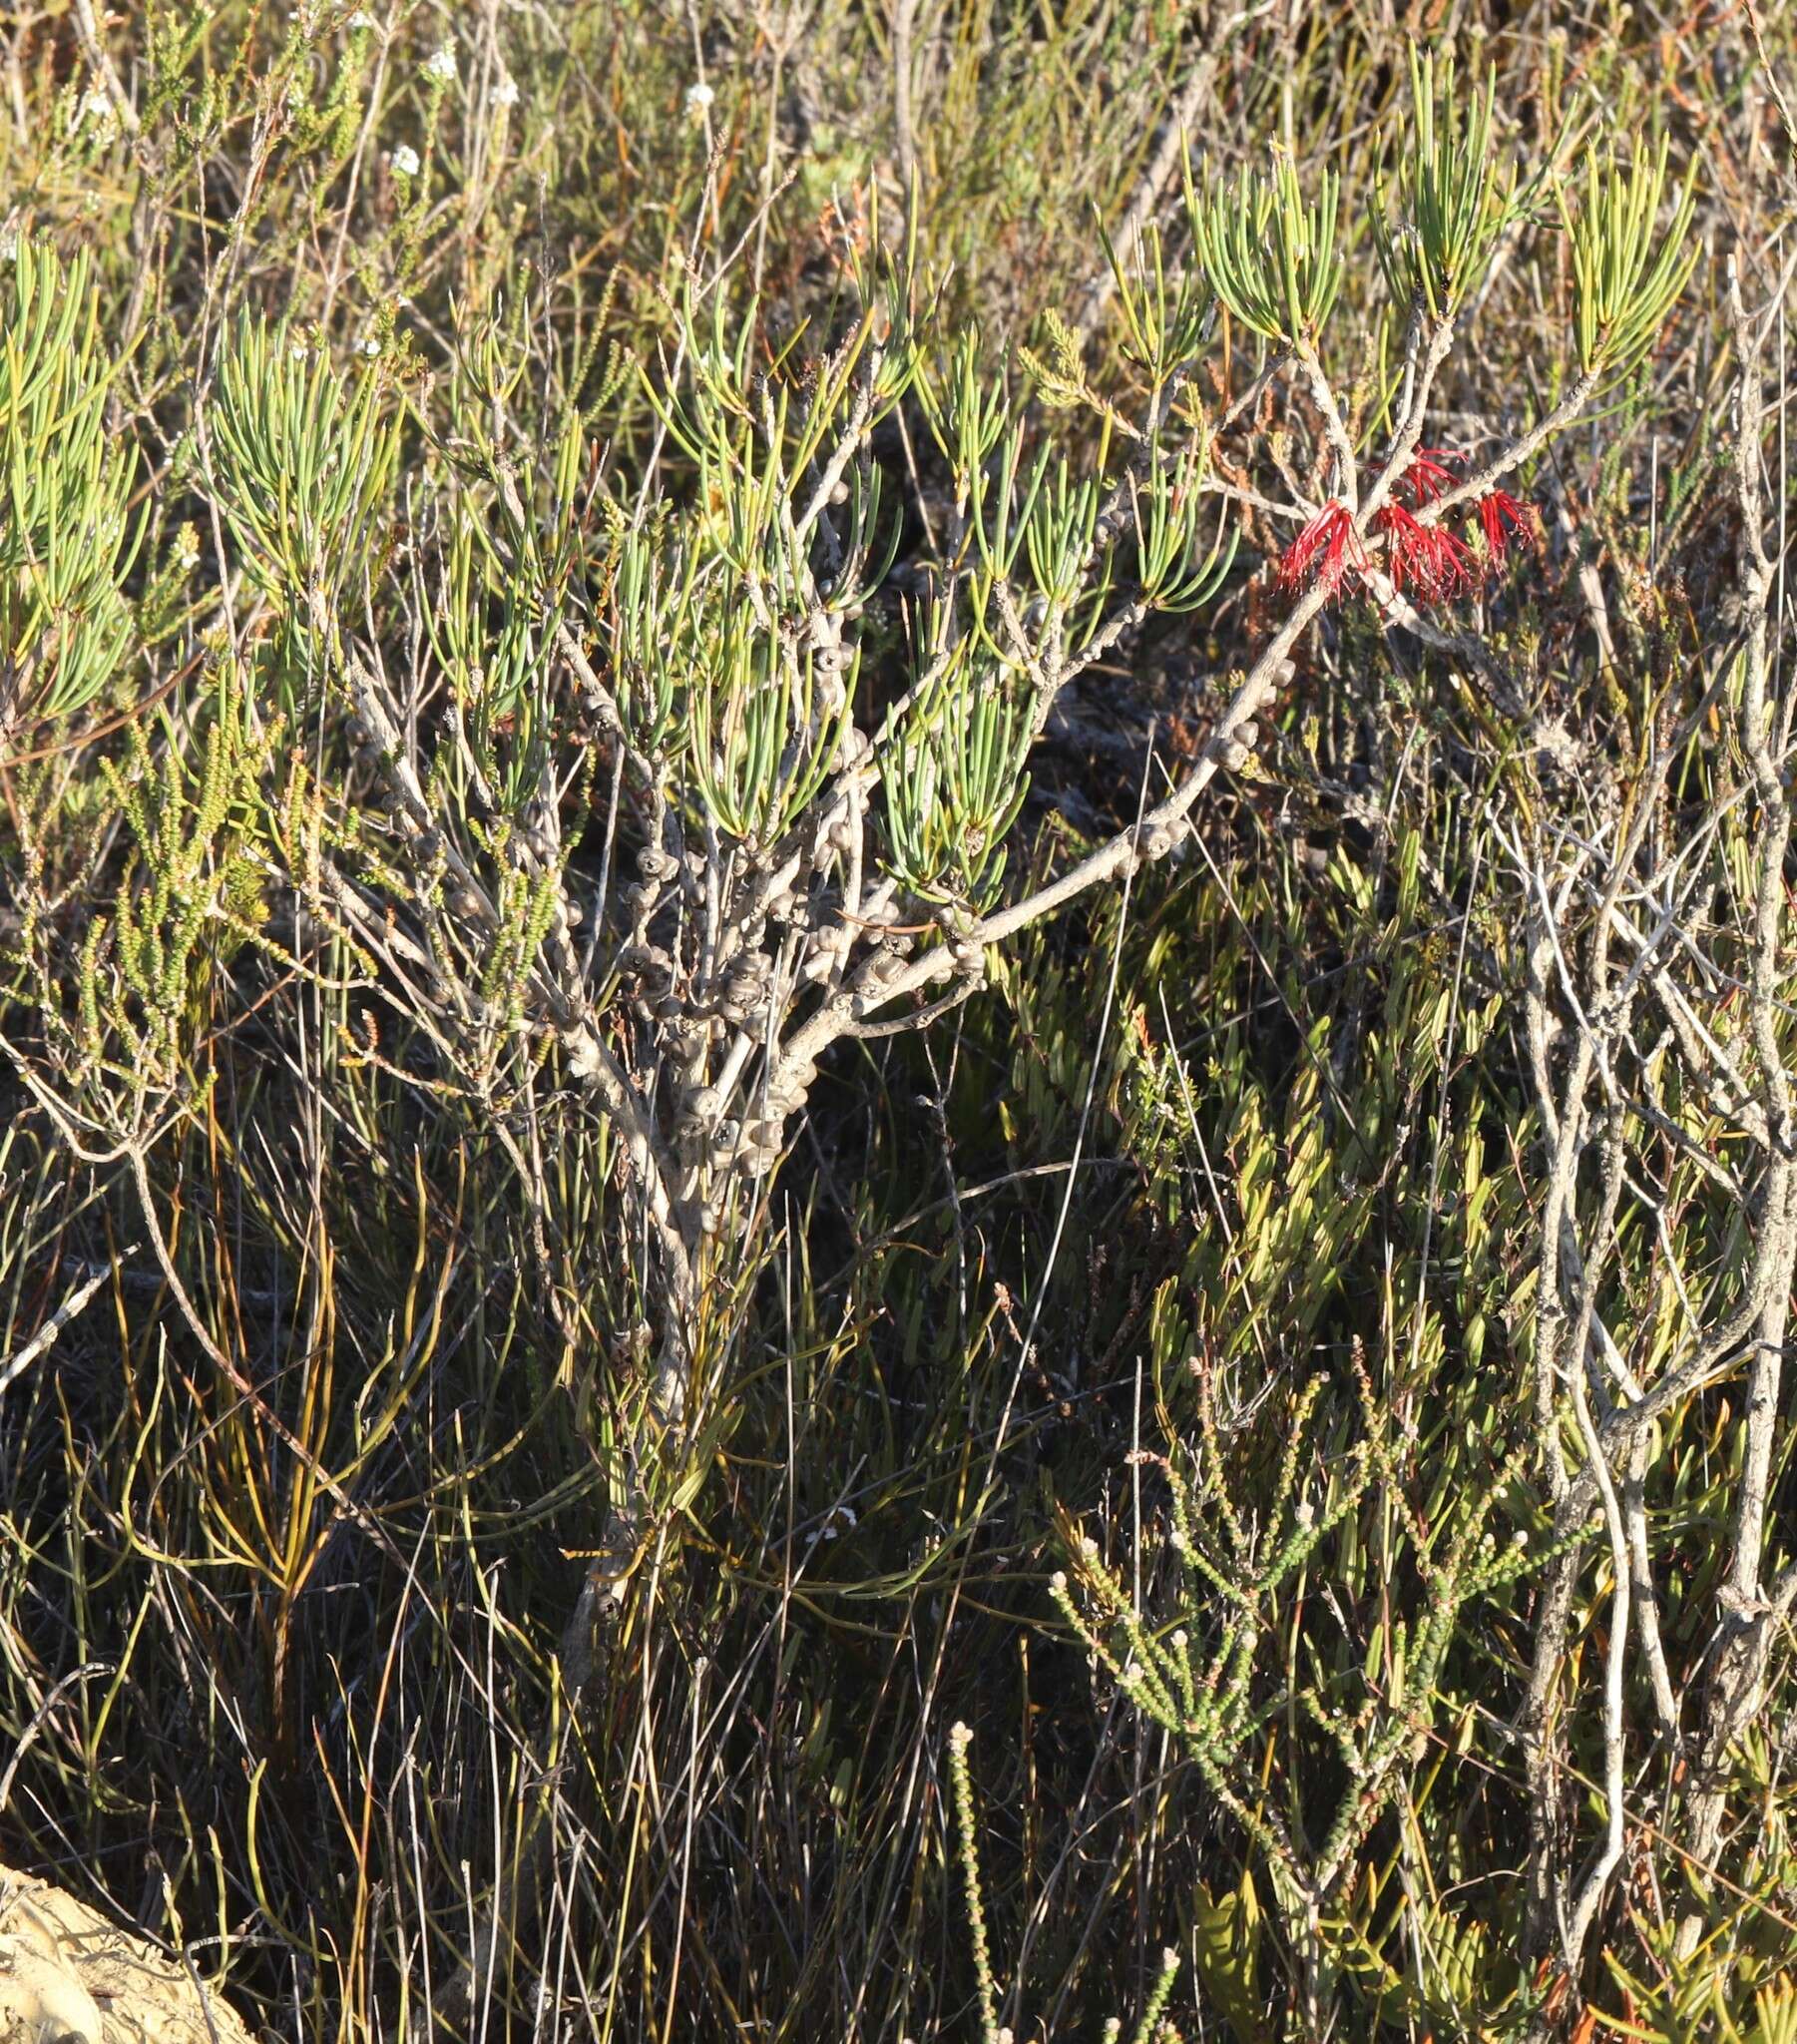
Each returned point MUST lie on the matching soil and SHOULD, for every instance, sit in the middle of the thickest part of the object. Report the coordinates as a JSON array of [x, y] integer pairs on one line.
[[69, 1976]]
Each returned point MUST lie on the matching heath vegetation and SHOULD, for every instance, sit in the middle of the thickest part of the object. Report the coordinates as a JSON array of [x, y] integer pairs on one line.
[[895, 970]]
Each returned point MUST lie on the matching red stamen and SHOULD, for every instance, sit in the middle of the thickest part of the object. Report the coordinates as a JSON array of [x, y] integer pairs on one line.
[[1429, 473], [1330, 545], [1427, 560], [1500, 518]]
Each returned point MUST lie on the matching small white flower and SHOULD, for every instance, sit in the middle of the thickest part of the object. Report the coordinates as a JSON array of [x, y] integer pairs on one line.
[[297, 350], [371, 346], [96, 107], [404, 161], [505, 93], [360, 22], [698, 98], [1305, 1513], [186, 546], [440, 65], [9, 245]]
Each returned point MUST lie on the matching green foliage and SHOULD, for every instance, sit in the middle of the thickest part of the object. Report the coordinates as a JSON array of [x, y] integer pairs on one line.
[[1168, 514], [67, 534], [1268, 254], [1737, 1987], [1628, 271], [1164, 315], [956, 781], [763, 733], [1452, 207], [189, 896], [305, 458], [1222, 1668]]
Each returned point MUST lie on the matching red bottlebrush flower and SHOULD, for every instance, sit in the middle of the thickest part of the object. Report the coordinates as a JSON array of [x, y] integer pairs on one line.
[[1501, 517], [1426, 559], [1330, 545], [1429, 473]]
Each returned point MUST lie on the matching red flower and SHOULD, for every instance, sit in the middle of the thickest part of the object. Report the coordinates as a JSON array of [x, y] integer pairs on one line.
[[1429, 474], [1330, 545], [1426, 559], [1500, 517]]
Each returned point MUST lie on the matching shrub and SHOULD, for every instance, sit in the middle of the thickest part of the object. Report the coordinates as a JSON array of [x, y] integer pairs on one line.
[[782, 802]]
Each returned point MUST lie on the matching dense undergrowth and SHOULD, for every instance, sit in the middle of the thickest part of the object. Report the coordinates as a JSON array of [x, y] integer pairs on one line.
[[512, 1466]]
